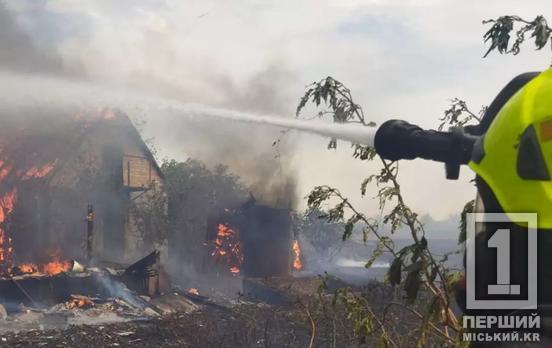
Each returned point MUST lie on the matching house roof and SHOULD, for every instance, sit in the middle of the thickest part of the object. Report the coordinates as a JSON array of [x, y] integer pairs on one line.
[[41, 142], [127, 125]]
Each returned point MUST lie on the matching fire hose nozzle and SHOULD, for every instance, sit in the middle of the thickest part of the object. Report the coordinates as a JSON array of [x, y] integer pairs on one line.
[[397, 139]]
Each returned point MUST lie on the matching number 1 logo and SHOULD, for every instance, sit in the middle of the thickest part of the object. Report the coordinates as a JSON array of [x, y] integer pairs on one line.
[[500, 241]]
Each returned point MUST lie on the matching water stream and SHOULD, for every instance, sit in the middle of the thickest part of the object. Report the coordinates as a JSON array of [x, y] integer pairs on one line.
[[24, 90]]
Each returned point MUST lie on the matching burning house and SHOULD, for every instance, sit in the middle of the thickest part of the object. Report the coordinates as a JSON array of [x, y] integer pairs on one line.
[[253, 240], [67, 188]]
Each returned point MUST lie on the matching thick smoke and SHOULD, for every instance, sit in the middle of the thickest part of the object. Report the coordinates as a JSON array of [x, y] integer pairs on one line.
[[154, 65], [252, 152], [20, 53]]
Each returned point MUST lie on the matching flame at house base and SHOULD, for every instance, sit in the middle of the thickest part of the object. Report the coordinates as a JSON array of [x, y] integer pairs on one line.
[[297, 263], [227, 248]]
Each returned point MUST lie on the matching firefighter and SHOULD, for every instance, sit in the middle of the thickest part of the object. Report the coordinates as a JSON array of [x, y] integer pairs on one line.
[[510, 152], [513, 163]]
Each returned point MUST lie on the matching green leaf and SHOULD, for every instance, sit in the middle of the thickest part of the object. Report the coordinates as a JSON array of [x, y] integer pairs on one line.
[[348, 231], [412, 285], [414, 267], [433, 273], [383, 341], [365, 183], [395, 271], [378, 251], [423, 242], [453, 278], [350, 225], [541, 32], [468, 208]]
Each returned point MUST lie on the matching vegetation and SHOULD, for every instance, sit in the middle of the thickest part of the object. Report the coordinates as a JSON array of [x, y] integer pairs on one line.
[[426, 283], [194, 192], [500, 33], [322, 236], [414, 267], [149, 215]]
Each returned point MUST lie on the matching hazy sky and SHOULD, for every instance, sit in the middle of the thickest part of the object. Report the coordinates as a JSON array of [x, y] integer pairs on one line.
[[400, 59]]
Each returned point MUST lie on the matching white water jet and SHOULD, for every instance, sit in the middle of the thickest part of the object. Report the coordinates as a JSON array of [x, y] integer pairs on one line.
[[352, 263], [354, 133], [23, 90]]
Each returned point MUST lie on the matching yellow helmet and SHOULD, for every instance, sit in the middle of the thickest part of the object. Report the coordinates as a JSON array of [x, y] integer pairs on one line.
[[514, 157]]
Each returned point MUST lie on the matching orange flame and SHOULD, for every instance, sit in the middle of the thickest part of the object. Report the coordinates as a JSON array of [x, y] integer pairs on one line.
[[5, 170], [193, 291], [28, 268], [7, 203], [56, 267], [51, 268], [38, 172], [297, 264], [79, 302], [227, 247]]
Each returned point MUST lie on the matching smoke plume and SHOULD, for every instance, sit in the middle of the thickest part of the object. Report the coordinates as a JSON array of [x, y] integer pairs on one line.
[[156, 63], [254, 153], [20, 53]]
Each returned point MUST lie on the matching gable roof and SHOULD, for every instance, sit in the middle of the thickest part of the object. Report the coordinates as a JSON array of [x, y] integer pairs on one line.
[[127, 125], [41, 143]]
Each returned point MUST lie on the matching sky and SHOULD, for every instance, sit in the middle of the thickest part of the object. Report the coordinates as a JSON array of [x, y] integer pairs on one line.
[[401, 59]]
